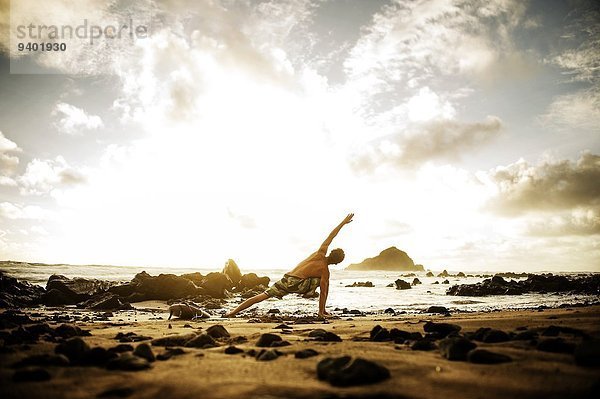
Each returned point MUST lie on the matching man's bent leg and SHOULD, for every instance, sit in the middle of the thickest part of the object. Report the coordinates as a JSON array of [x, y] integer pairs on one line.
[[247, 303]]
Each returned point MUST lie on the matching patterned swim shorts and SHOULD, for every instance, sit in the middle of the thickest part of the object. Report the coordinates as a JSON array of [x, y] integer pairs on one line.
[[294, 285]]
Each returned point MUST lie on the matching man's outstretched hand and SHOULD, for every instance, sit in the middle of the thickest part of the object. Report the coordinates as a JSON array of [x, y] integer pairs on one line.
[[348, 218]]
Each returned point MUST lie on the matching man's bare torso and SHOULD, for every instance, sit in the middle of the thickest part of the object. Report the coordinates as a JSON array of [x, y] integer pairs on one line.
[[313, 266]]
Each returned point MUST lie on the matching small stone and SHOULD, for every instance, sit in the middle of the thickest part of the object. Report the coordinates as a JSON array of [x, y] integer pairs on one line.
[[98, 356], [455, 348], [437, 309], [318, 332], [144, 351], [128, 362], [379, 334], [31, 374], [423, 345], [283, 327], [305, 353], [173, 340], [345, 371], [121, 348], [267, 339], [217, 331], [267, 354], [483, 356], [203, 341], [389, 311], [75, 349], [232, 350], [444, 329], [274, 311], [169, 353]]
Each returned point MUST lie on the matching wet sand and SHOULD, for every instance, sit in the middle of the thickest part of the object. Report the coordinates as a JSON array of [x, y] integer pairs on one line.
[[210, 373]]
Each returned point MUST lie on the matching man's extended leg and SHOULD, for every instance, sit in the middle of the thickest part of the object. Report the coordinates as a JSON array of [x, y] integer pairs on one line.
[[247, 303]]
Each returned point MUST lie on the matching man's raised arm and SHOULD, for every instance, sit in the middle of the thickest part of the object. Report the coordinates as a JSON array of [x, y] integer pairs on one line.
[[334, 232]]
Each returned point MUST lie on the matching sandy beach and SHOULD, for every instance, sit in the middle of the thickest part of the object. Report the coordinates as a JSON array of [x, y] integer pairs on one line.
[[211, 373]]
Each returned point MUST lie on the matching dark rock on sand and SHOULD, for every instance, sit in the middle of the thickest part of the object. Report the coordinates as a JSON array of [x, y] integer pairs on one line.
[[489, 335], [55, 297], [446, 282], [361, 284], [144, 351], [46, 359], [267, 339], [389, 311], [587, 353], [128, 362], [217, 331], [444, 329], [555, 345], [444, 274], [456, 348], [69, 331], [525, 335], [131, 337], [232, 270], [423, 345], [328, 336], [416, 281], [31, 374], [169, 353], [429, 274], [379, 334], [402, 285], [437, 309], [173, 340], [483, 356], [345, 371], [268, 354], [203, 341], [74, 348], [98, 356], [305, 353], [232, 350]]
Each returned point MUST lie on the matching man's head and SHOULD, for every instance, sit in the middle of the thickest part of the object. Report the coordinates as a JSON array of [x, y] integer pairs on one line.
[[335, 256]]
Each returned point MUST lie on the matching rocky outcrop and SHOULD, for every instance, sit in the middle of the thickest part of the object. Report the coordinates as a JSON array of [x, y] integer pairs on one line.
[[77, 289], [402, 285], [232, 270], [164, 286], [14, 294], [542, 283], [389, 259]]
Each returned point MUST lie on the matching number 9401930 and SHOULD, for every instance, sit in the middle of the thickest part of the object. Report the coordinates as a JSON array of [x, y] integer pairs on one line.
[[42, 46]]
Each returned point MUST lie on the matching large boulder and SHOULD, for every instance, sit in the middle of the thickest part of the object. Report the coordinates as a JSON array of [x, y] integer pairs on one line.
[[251, 281], [77, 289], [164, 286], [216, 285], [232, 271], [195, 277], [389, 259], [14, 293]]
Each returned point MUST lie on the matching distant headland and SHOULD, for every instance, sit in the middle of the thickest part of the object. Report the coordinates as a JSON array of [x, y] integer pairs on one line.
[[389, 259]]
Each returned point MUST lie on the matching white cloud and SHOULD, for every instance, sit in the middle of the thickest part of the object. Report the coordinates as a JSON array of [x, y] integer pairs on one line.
[[43, 176], [13, 211], [74, 120], [579, 110], [8, 161]]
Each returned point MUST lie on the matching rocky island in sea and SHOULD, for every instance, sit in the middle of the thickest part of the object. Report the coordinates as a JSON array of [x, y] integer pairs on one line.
[[391, 258]]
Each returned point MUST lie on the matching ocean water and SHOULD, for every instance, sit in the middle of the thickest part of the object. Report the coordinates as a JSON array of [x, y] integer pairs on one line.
[[374, 299]]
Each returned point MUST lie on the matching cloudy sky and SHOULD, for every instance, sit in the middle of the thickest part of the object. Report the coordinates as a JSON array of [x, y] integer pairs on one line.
[[466, 133]]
